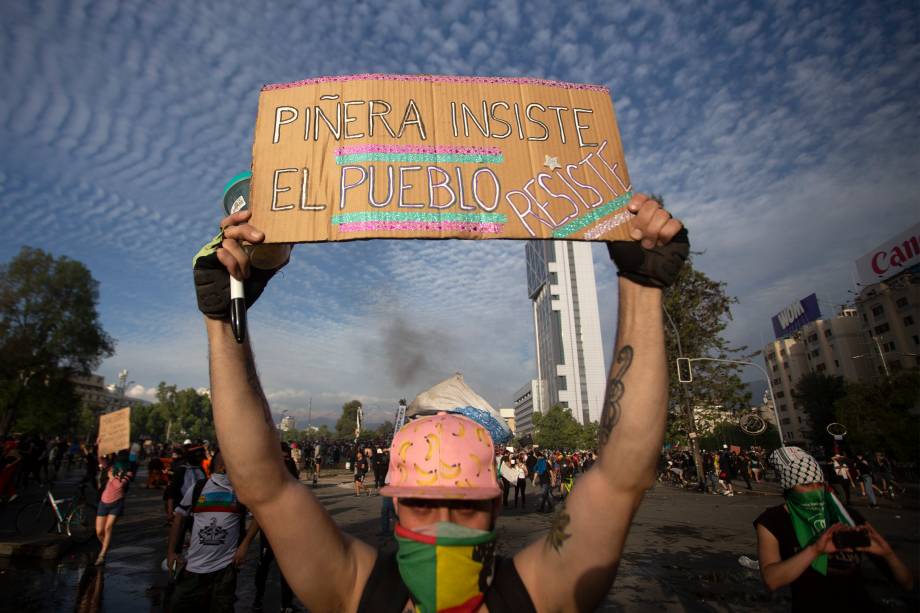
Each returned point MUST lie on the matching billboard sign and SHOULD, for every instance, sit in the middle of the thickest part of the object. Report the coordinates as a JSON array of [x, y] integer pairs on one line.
[[796, 315], [895, 255]]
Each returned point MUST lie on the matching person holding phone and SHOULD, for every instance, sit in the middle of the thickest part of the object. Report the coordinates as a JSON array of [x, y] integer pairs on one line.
[[815, 545]]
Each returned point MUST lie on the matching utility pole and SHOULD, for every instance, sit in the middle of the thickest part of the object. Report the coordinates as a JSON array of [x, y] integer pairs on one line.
[[881, 355], [779, 427], [691, 421]]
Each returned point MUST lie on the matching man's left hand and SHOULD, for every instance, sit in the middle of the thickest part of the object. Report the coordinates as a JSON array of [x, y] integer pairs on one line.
[[659, 247], [239, 556]]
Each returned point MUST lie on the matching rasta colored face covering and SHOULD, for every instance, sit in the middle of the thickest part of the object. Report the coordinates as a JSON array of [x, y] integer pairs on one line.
[[446, 567]]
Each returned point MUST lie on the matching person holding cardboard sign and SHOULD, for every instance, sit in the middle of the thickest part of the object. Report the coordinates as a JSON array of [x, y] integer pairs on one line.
[[442, 476]]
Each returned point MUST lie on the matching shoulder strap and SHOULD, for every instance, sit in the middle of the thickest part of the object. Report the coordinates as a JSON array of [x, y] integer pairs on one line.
[[385, 590], [507, 593], [196, 493]]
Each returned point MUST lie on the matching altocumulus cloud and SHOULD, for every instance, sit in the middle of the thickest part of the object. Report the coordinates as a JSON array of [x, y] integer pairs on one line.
[[784, 134]]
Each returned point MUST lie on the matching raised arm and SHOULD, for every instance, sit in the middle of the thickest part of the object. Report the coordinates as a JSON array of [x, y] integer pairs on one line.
[[574, 567], [295, 522]]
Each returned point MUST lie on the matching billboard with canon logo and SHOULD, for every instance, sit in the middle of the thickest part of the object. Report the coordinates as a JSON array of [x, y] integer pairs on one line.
[[897, 254], [796, 315]]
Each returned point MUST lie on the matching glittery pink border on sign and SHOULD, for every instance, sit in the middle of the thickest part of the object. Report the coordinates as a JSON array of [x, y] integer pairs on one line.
[[421, 149], [425, 226], [437, 79]]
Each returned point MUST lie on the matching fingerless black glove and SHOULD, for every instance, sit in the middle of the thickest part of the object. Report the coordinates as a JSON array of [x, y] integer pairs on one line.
[[212, 281], [656, 267]]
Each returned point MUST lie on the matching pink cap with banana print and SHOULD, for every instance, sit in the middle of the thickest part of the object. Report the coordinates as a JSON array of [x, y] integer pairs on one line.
[[442, 456]]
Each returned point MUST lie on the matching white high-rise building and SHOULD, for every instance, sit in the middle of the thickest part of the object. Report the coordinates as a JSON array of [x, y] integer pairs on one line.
[[567, 328]]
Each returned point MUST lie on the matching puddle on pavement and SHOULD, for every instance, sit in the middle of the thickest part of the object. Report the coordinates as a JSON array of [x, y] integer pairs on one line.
[[128, 581]]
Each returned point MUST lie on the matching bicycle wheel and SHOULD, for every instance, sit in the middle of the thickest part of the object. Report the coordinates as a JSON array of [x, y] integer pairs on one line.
[[35, 519], [81, 522]]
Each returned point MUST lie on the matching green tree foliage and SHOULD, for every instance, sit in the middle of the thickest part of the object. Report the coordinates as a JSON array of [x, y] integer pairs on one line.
[[345, 426], [385, 431], [817, 393], [729, 433], [176, 415], [48, 407], [700, 310], [588, 436], [49, 329], [882, 416], [557, 429]]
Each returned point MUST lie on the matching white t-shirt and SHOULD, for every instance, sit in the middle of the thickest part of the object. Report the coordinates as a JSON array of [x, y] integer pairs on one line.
[[216, 525]]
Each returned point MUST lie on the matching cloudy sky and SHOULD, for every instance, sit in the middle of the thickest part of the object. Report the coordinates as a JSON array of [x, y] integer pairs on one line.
[[785, 134]]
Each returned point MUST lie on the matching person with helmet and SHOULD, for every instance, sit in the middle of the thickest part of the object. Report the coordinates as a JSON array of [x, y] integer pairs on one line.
[[442, 477]]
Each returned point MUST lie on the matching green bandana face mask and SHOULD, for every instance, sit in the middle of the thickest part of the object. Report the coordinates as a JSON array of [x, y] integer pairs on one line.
[[446, 566], [812, 513]]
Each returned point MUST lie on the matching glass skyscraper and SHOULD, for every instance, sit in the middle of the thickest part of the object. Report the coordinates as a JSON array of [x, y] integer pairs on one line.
[[567, 331]]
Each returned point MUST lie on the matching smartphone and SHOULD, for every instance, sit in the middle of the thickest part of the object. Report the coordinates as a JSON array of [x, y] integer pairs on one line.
[[851, 539]]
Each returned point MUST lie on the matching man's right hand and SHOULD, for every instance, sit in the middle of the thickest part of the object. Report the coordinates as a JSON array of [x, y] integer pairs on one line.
[[223, 257], [825, 542], [173, 561]]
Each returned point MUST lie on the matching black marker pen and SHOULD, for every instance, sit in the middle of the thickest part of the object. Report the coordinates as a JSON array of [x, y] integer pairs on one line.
[[236, 195], [237, 309]]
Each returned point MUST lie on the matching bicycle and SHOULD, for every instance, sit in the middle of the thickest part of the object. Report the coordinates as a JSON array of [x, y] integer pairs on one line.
[[76, 518]]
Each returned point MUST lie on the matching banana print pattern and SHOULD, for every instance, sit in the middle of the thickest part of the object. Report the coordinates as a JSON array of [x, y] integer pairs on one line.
[[434, 442], [417, 465], [403, 449], [478, 464], [449, 471], [426, 477]]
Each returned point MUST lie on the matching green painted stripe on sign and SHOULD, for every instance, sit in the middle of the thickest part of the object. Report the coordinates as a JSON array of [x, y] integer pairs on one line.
[[595, 215]]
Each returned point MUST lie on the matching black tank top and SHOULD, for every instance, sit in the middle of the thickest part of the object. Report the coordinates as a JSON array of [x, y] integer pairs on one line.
[[385, 591]]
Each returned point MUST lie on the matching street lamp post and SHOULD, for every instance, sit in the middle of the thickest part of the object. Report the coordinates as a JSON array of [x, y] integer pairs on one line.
[[691, 428], [779, 427]]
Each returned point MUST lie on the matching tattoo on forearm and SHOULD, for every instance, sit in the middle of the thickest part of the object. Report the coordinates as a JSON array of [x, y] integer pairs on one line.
[[611, 414], [557, 534]]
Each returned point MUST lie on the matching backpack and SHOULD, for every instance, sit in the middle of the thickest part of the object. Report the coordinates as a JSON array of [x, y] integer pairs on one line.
[[196, 494]]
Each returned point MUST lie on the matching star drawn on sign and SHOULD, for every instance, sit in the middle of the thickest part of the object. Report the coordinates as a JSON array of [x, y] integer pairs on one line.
[[551, 162]]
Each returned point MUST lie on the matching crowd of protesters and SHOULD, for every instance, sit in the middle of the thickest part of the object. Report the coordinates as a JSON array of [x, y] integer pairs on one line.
[[870, 475], [36, 460], [192, 477]]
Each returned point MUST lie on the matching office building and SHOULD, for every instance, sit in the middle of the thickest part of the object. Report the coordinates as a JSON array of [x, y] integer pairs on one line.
[[824, 346], [526, 402], [567, 331]]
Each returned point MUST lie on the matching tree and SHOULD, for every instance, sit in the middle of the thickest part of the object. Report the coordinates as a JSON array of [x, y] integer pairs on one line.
[[588, 435], [385, 431], [48, 407], [882, 416], [817, 393], [557, 429], [700, 309], [729, 433], [49, 327], [345, 426], [176, 415]]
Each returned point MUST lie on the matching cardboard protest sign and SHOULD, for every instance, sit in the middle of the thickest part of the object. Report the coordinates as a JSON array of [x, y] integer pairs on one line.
[[391, 156], [114, 431]]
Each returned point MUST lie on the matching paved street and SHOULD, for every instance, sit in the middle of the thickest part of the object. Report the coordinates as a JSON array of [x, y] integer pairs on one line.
[[682, 554]]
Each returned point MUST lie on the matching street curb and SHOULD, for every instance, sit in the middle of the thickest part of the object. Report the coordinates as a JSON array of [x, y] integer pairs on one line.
[[50, 548]]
